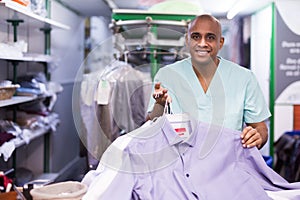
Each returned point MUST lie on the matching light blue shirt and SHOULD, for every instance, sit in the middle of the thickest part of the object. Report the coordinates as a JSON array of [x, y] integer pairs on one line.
[[233, 97]]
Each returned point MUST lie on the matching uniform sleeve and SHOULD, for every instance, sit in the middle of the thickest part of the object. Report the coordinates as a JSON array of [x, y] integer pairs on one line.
[[256, 108]]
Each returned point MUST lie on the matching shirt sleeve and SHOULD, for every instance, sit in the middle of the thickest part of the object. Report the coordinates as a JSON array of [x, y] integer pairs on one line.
[[256, 108], [109, 184], [112, 179]]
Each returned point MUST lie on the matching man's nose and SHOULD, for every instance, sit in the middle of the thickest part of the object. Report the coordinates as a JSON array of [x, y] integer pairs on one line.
[[202, 42]]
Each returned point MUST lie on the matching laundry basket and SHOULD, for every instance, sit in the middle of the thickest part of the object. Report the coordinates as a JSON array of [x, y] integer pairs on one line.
[[60, 191], [6, 92]]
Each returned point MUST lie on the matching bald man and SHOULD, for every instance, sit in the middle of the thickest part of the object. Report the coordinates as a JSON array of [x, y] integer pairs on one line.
[[210, 88]]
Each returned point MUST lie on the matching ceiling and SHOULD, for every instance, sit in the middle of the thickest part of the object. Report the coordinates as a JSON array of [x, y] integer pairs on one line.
[[218, 8]]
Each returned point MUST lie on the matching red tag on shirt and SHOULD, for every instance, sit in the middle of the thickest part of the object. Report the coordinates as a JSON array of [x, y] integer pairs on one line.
[[180, 130]]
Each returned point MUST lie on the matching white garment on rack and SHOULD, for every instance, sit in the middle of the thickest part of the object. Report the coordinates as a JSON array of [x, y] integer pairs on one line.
[[126, 108]]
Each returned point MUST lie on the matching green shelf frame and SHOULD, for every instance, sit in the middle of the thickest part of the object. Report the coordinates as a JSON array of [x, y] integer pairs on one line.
[[119, 15]]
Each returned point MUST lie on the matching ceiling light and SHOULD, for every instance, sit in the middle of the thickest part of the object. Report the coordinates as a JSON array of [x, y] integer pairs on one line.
[[236, 8]]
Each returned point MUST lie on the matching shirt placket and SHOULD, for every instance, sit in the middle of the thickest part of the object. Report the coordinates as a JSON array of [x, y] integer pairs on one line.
[[184, 150]]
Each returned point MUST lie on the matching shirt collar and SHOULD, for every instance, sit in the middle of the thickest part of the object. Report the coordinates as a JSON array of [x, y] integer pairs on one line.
[[173, 138]]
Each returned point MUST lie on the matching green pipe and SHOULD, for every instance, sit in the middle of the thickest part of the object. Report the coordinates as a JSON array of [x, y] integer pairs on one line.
[[15, 23], [153, 60], [48, 8], [47, 40], [153, 54], [47, 48], [15, 65], [272, 78], [47, 51], [47, 152], [14, 161]]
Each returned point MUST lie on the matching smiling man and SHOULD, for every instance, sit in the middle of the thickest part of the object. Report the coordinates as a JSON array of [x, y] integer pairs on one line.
[[210, 88]]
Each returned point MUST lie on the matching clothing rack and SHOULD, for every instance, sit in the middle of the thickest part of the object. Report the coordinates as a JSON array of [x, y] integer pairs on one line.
[[153, 30]]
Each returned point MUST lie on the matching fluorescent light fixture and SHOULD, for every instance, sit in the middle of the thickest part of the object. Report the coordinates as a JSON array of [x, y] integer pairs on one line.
[[236, 8], [111, 4]]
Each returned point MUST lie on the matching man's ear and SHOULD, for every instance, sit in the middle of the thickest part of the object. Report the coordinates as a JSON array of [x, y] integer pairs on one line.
[[186, 39], [222, 39]]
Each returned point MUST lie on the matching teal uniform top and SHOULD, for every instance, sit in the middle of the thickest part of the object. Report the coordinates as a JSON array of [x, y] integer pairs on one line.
[[233, 97]]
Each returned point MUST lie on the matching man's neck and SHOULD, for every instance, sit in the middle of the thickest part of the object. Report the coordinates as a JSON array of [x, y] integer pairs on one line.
[[205, 73]]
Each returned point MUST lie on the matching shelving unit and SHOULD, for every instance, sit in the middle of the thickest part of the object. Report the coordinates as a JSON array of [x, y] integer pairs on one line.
[[19, 16], [10, 9]]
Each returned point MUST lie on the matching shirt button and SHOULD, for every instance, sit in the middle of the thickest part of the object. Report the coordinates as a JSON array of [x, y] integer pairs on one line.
[[187, 175]]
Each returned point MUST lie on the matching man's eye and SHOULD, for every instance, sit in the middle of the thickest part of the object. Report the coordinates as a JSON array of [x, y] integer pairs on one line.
[[211, 37], [195, 36]]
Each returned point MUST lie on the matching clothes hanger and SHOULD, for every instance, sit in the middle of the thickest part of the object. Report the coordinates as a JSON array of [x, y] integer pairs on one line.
[[172, 117], [181, 122]]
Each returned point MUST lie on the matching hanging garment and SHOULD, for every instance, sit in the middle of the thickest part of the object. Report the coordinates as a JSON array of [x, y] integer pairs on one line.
[[154, 162], [112, 102]]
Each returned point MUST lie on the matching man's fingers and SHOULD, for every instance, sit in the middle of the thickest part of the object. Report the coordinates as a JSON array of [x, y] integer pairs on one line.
[[253, 142], [250, 133], [245, 131], [250, 138], [157, 86], [160, 94]]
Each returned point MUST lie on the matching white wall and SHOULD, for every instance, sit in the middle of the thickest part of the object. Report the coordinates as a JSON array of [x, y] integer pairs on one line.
[[101, 44], [261, 32], [261, 27], [68, 46]]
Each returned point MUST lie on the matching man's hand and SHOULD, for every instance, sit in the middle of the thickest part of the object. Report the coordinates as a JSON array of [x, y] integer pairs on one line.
[[161, 95], [255, 134]]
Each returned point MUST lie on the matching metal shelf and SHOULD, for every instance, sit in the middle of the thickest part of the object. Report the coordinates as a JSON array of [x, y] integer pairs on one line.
[[16, 100], [29, 58], [53, 122], [11, 10], [49, 123]]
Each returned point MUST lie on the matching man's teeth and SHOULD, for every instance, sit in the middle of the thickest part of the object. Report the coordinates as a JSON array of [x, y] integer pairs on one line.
[[202, 52]]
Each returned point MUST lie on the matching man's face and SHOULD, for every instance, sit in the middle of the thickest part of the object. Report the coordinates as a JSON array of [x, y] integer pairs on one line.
[[204, 41]]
